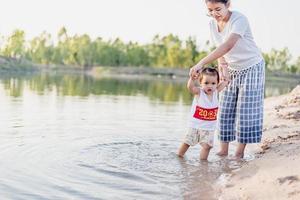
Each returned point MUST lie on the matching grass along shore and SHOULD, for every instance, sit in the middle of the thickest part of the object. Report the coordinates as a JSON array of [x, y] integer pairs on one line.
[[13, 65]]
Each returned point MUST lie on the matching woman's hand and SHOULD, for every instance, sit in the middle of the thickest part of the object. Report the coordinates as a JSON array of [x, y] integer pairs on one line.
[[195, 71]]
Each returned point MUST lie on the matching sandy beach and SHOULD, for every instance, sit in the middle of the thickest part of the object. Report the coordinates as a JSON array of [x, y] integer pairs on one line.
[[275, 173]]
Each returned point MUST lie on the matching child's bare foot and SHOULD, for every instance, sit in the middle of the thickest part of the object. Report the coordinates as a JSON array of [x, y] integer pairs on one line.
[[179, 155], [222, 154], [203, 159], [182, 149]]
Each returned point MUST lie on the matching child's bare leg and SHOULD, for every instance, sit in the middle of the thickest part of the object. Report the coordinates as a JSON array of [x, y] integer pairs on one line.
[[239, 153], [224, 149], [204, 151], [182, 149]]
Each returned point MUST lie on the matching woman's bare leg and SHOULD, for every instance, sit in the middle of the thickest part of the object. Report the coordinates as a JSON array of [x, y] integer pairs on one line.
[[239, 153], [182, 149], [224, 149]]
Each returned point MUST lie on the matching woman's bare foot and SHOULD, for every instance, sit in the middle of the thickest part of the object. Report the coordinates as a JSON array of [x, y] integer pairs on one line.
[[222, 154], [239, 155], [224, 149]]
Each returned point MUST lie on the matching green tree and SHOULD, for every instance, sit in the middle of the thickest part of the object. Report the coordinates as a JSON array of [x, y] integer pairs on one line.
[[157, 52], [15, 45], [190, 53], [278, 59], [295, 68], [137, 55], [41, 49], [81, 51]]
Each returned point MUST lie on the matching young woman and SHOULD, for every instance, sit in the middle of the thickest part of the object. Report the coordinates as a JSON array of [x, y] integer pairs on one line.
[[240, 114]]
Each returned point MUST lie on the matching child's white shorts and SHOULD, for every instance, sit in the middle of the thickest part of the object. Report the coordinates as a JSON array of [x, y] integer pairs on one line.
[[195, 136]]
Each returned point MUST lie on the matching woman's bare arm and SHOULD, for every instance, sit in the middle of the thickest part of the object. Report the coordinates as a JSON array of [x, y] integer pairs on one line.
[[218, 52]]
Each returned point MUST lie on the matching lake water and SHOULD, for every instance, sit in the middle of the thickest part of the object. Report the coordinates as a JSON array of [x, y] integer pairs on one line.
[[75, 137]]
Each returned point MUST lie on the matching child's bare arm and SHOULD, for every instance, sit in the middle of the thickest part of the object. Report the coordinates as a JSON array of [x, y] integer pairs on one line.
[[222, 61], [223, 69], [192, 87]]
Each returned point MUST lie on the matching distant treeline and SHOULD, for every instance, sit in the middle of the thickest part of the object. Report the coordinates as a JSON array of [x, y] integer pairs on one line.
[[83, 52]]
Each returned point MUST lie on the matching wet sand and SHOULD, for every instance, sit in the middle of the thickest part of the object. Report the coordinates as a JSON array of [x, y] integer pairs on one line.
[[275, 173]]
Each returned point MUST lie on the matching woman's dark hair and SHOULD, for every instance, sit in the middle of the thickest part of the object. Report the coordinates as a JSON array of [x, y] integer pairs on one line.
[[211, 71], [217, 1]]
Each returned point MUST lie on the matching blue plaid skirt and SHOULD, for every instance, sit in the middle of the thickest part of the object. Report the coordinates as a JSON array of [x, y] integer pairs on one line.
[[240, 114]]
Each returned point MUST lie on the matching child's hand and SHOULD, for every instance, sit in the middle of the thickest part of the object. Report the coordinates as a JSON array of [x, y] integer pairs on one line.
[[226, 82], [223, 65], [224, 74], [193, 74]]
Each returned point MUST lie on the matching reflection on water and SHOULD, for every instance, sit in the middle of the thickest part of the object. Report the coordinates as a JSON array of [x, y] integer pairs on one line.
[[163, 89], [75, 137], [82, 85], [276, 85]]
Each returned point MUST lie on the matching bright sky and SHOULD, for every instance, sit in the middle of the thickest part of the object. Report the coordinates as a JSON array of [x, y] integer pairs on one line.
[[274, 22]]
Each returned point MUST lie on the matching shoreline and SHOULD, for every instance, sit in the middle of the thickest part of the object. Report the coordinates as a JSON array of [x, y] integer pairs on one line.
[[275, 173], [7, 66]]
